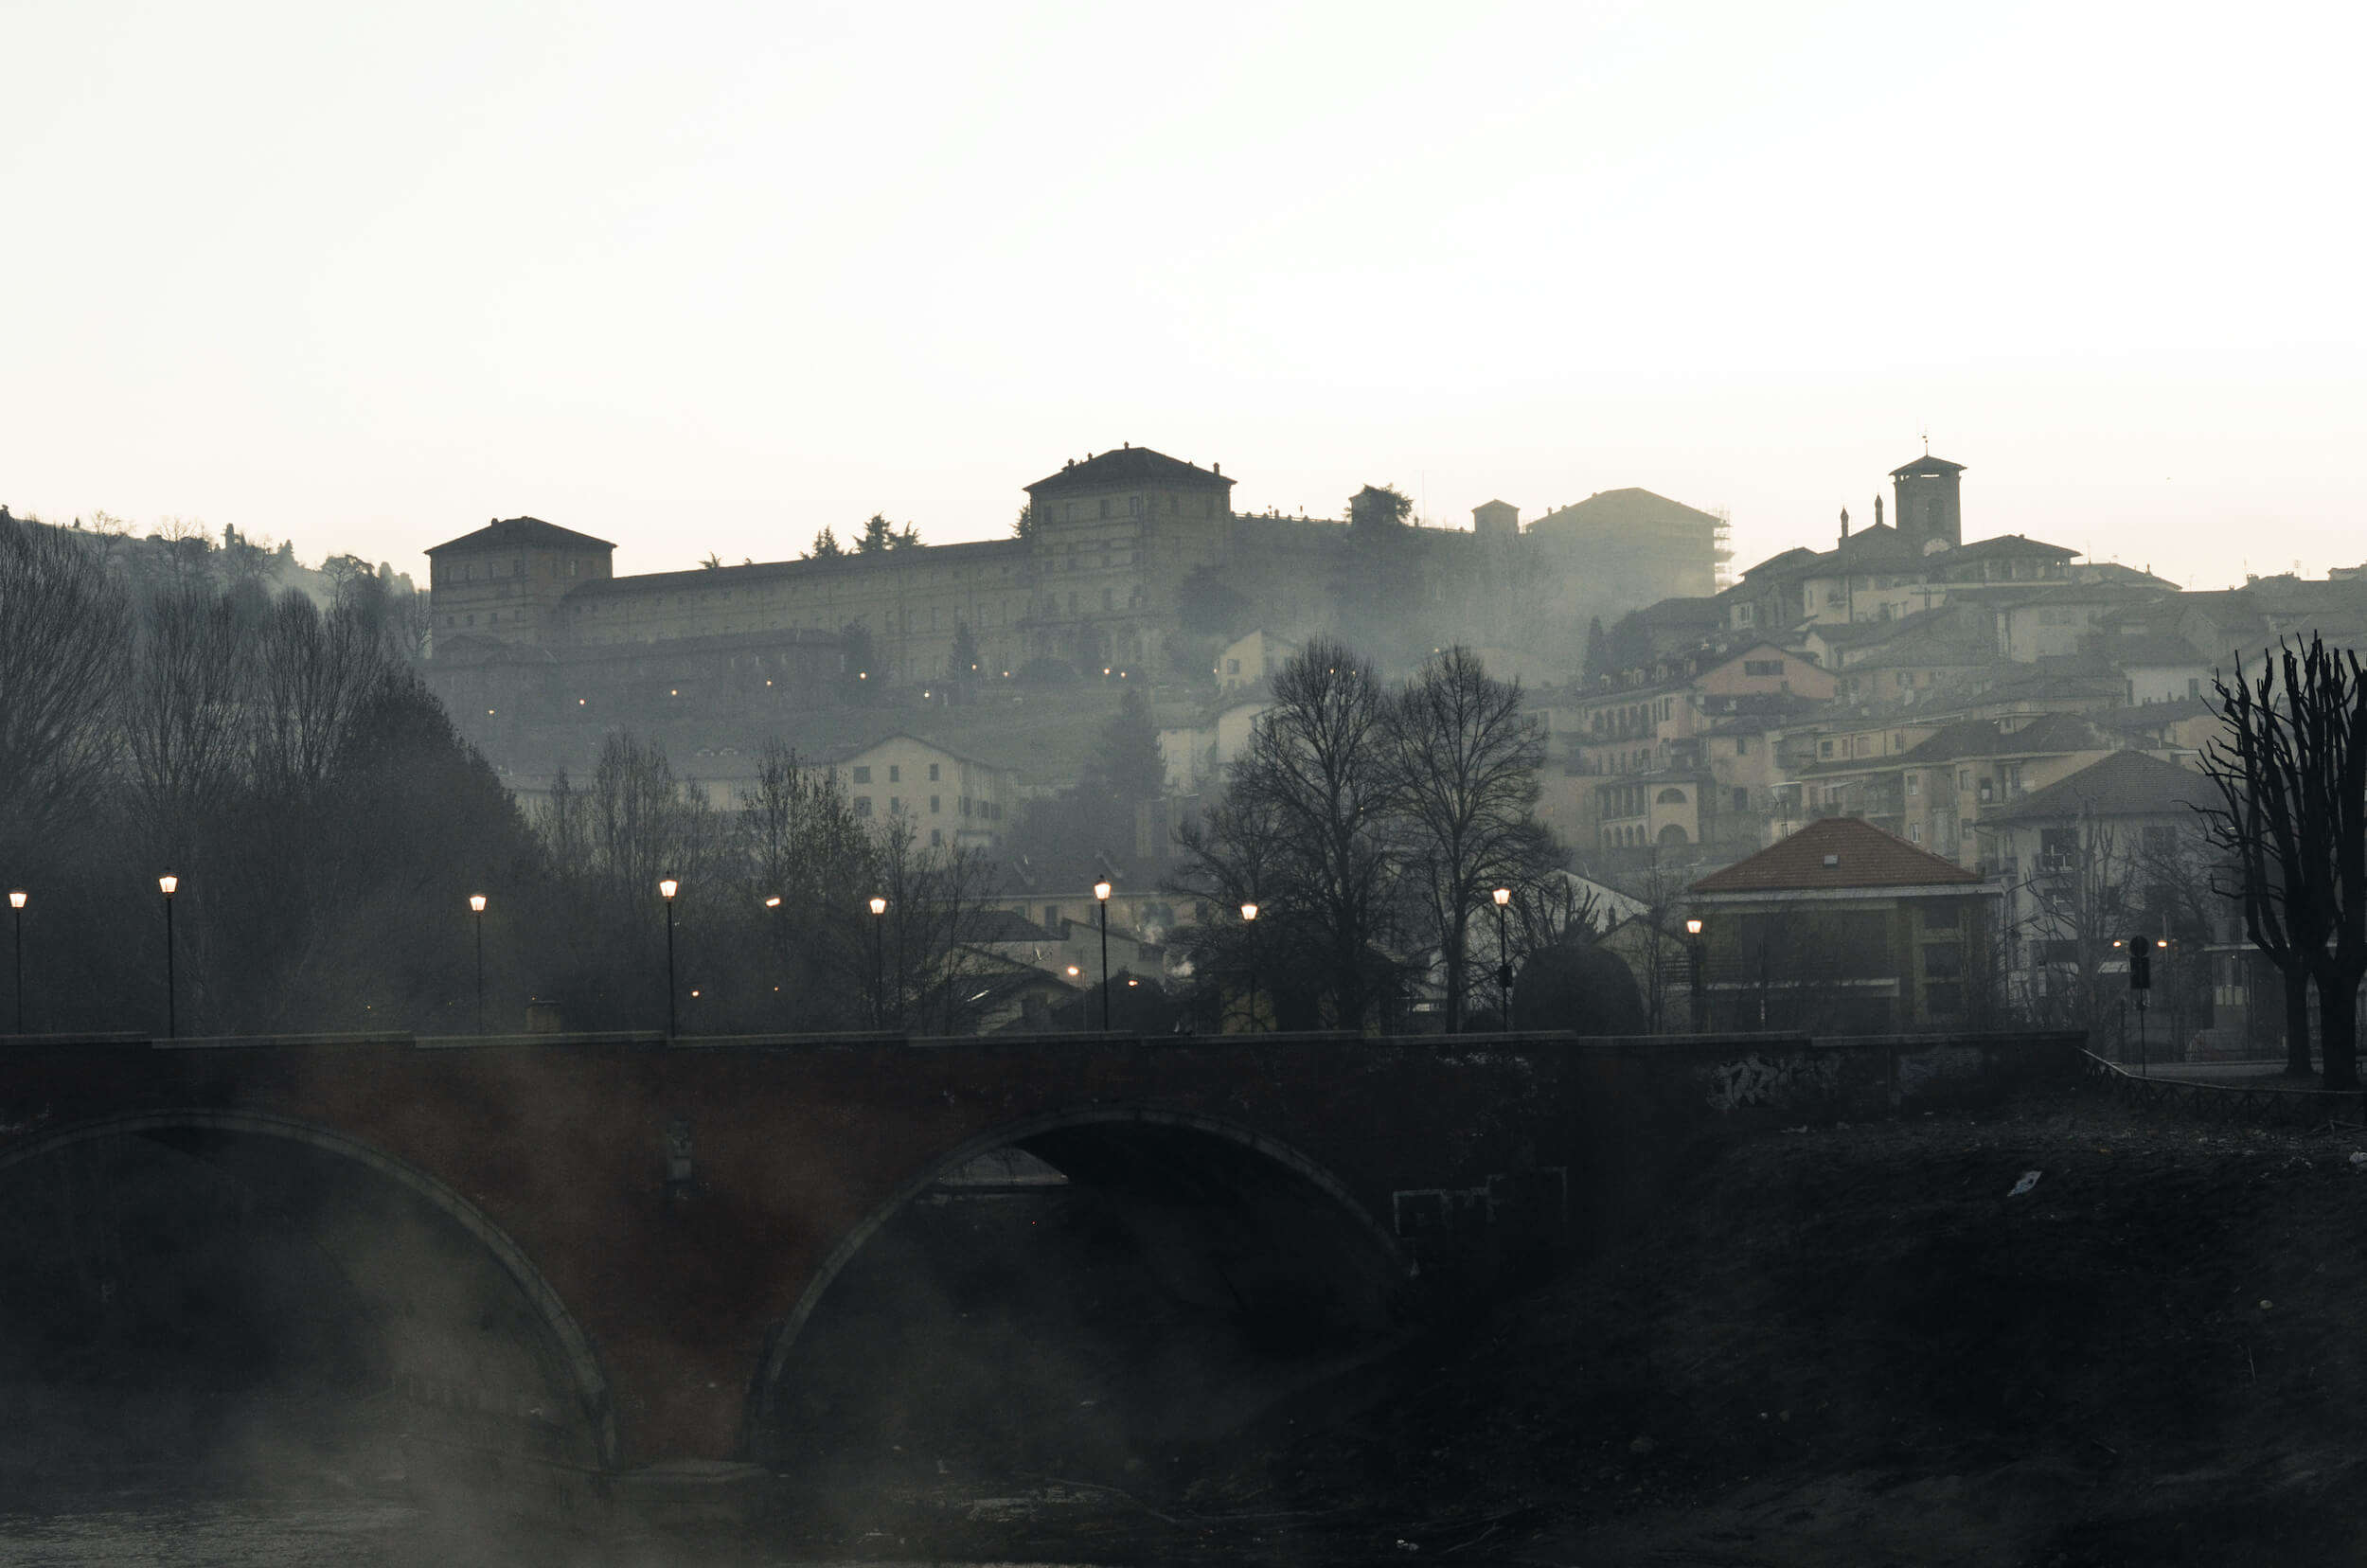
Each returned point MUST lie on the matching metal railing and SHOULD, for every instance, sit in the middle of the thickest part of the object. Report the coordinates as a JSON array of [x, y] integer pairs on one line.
[[2236, 1103]]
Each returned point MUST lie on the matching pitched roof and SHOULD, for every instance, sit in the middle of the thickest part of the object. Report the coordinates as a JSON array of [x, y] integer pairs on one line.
[[1128, 465], [1618, 511], [2149, 650], [2049, 732], [1927, 464], [2127, 783], [1837, 852], [508, 532], [2008, 544]]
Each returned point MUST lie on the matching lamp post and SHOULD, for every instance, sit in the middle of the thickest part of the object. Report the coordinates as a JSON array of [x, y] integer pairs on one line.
[[168, 884], [16, 909], [476, 918], [780, 949], [666, 889], [1101, 898], [1692, 970], [878, 966], [1504, 961], [1248, 918]]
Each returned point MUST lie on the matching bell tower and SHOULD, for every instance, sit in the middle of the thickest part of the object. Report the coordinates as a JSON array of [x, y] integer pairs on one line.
[[1929, 506]]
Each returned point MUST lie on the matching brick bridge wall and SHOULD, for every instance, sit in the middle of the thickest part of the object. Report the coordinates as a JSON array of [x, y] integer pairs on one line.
[[671, 1208]]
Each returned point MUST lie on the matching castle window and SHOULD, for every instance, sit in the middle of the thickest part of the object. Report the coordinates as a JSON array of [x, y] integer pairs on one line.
[[895, 804], [862, 774], [863, 806], [895, 774], [936, 838], [935, 808], [1133, 507], [932, 772]]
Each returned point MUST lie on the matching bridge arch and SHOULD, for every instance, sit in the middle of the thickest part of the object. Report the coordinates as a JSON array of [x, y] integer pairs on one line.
[[1281, 1160], [572, 1349]]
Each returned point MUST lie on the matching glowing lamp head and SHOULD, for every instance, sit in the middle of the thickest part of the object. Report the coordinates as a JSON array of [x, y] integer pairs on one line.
[[773, 903], [168, 885], [1249, 912], [1502, 896], [1101, 891], [668, 888], [2162, 943], [878, 907], [16, 899], [1071, 969], [477, 904], [1693, 928]]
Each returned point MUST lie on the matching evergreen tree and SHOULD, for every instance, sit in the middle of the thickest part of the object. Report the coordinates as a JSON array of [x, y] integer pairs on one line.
[[826, 547]]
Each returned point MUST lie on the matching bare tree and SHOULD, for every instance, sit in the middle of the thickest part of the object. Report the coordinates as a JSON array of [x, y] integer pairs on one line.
[[2082, 904], [314, 674], [182, 711], [1461, 763], [2292, 771], [63, 626], [1317, 769]]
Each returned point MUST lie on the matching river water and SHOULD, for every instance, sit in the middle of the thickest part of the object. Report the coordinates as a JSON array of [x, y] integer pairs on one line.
[[151, 1528]]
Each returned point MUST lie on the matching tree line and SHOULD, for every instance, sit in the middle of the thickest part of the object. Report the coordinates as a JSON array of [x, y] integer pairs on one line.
[[326, 824]]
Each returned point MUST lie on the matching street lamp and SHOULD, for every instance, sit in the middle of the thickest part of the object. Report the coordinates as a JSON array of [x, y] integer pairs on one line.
[[1693, 968], [16, 906], [1248, 918], [1504, 960], [476, 918], [168, 884], [879, 967], [1102, 897], [780, 948], [666, 889]]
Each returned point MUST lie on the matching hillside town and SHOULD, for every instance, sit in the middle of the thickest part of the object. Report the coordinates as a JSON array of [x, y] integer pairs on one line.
[[2000, 710], [1992, 745]]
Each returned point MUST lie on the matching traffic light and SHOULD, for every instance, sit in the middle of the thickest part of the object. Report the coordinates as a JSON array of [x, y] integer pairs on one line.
[[2139, 964]]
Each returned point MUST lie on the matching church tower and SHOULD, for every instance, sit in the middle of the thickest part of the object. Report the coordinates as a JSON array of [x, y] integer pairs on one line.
[[1928, 509]]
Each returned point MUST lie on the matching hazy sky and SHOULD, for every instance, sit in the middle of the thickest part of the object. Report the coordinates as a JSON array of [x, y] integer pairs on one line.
[[696, 278]]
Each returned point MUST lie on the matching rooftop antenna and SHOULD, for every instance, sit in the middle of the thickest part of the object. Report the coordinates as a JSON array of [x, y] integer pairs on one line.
[[1925, 431]]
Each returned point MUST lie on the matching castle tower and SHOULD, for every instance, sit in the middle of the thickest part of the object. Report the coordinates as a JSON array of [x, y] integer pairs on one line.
[[1930, 510], [1496, 520]]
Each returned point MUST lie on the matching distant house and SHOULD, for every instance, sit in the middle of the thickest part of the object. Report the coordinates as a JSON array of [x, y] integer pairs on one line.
[[2112, 850], [1844, 929], [950, 799]]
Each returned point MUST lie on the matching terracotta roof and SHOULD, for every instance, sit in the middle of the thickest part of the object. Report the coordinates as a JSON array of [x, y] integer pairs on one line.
[[1837, 852], [1128, 465], [508, 532], [2127, 783]]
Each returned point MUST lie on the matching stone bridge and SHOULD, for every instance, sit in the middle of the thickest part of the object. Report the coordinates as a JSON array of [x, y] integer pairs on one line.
[[655, 1221]]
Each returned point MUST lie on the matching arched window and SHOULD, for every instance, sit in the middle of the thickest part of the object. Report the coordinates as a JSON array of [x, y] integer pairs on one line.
[[1672, 797]]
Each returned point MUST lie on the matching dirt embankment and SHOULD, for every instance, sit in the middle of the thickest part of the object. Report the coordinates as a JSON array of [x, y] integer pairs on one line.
[[1857, 1345]]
